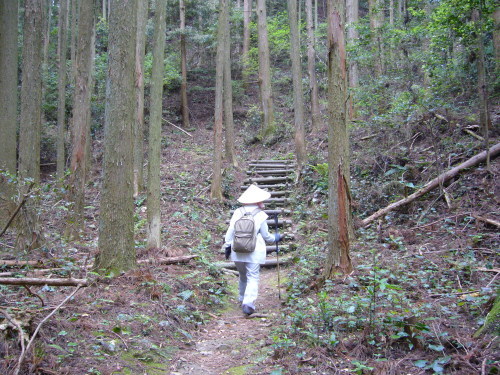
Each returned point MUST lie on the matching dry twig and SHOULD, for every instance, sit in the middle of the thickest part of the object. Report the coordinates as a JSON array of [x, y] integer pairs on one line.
[[23, 352]]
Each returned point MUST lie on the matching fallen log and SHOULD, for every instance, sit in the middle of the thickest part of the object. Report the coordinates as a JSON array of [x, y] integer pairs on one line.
[[274, 186], [43, 281], [275, 172], [270, 161], [272, 262], [270, 166], [169, 260], [268, 179], [20, 263], [479, 158]]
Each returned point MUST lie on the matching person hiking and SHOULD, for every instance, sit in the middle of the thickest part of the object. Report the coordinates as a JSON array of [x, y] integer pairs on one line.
[[248, 263]]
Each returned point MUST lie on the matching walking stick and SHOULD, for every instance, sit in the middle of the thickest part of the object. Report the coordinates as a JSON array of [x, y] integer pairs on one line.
[[277, 255]]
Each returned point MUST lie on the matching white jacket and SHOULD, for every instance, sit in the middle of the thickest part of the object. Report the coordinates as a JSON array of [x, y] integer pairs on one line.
[[263, 236]]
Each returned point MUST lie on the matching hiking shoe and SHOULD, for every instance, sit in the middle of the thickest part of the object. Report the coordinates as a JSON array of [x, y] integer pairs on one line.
[[247, 309]]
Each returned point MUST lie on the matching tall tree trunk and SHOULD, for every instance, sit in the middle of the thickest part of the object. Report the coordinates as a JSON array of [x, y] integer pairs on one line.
[[298, 94], [311, 68], [216, 187], [31, 92], [264, 71], [154, 165], [339, 221], [47, 20], [116, 227], [74, 35], [30, 118], [496, 39], [376, 11], [352, 15], [61, 88], [247, 17], [142, 16], [482, 86], [184, 98], [104, 9], [8, 85], [81, 118], [228, 97]]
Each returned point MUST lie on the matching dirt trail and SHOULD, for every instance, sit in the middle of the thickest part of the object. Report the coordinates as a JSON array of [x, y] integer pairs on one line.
[[232, 343]]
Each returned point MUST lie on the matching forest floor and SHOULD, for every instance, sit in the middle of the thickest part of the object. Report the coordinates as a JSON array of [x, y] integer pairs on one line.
[[233, 343], [432, 261]]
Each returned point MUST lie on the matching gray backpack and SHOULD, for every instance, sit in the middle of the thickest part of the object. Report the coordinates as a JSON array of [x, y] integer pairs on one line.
[[245, 234]]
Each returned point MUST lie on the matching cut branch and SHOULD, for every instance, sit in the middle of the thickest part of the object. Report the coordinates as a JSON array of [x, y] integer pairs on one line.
[[175, 126], [43, 281], [479, 158]]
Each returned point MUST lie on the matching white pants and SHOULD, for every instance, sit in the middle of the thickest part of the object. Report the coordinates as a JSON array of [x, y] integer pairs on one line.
[[248, 283]]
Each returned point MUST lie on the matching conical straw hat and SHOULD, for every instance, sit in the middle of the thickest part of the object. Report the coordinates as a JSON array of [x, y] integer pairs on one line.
[[254, 194]]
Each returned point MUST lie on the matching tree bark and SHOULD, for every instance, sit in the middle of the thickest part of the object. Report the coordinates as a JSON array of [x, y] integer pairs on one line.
[[142, 15], [247, 17], [496, 39], [339, 207], [61, 89], [81, 118], [116, 227], [376, 22], [266, 96], [8, 86], [438, 181], [216, 187], [228, 97], [31, 92], [352, 14], [298, 94], [482, 86], [311, 67], [74, 35], [184, 98], [154, 165]]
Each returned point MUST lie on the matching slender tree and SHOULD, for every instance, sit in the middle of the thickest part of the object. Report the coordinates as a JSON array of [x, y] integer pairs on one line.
[[247, 17], [81, 117], [339, 215], [311, 68], [184, 98], [228, 97], [31, 91], [142, 15], [376, 11], [74, 34], [154, 165], [352, 15], [266, 96], [61, 87], [8, 84], [116, 224], [216, 187], [298, 94]]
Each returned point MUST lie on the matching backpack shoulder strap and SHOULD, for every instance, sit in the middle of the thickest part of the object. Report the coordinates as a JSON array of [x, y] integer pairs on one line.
[[255, 211]]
